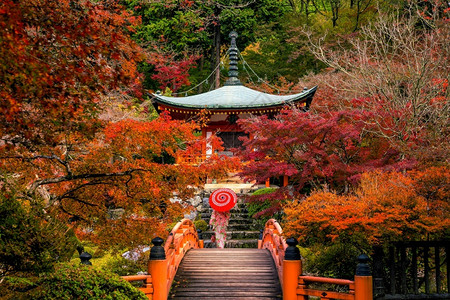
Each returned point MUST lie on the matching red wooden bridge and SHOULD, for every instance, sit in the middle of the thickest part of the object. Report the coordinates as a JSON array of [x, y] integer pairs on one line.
[[182, 269]]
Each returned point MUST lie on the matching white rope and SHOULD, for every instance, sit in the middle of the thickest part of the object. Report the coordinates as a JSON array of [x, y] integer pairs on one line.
[[221, 63], [205, 80], [259, 78]]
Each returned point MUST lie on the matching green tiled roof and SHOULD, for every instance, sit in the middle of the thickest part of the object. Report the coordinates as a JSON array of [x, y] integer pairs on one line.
[[233, 97]]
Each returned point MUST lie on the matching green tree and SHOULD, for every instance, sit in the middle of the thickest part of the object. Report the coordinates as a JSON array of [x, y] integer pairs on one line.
[[30, 240], [201, 27]]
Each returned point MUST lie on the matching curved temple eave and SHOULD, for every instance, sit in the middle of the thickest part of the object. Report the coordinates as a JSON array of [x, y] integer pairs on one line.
[[184, 103]]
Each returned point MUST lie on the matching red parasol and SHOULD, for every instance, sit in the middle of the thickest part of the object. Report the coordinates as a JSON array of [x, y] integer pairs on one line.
[[222, 200]]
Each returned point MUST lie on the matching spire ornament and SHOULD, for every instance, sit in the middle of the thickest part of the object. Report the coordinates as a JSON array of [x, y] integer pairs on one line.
[[233, 68]]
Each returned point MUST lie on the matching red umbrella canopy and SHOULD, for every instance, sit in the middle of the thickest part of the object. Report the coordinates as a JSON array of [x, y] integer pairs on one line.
[[222, 199]]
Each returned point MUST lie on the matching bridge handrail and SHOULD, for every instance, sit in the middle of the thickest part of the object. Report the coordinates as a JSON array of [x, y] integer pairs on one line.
[[289, 268], [273, 240], [161, 271], [327, 280], [182, 238]]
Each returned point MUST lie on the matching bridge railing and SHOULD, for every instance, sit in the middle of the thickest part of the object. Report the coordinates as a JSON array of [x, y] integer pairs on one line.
[[164, 260], [273, 240], [191, 159], [286, 257]]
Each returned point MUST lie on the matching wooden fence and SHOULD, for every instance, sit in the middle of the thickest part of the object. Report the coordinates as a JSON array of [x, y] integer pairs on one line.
[[413, 270]]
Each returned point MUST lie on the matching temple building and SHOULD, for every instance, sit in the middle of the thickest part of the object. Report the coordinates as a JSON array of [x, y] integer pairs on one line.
[[228, 104]]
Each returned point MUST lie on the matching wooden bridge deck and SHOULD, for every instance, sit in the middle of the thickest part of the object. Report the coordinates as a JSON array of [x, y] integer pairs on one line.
[[226, 274]]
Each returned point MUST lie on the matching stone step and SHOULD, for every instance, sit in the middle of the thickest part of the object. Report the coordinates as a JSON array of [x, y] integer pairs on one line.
[[242, 215], [245, 243], [209, 210], [242, 188], [239, 205], [240, 220], [234, 235], [242, 227]]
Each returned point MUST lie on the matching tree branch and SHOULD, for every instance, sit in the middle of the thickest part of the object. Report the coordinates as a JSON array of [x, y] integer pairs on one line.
[[46, 181]]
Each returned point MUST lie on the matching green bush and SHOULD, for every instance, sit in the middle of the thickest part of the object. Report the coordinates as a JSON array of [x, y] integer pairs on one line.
[[170, 226], [263, 191], [74, 281], [201, 224], [123, 267], [31, 240], [337, 260], [257, 206]]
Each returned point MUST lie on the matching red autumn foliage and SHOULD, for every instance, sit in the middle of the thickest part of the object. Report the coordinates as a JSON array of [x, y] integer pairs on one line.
[[57, 59], [128, 168], [171, 72], [313, 149]]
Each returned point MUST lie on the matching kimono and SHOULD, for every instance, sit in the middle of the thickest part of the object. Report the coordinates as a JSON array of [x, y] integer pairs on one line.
[[219, 222]]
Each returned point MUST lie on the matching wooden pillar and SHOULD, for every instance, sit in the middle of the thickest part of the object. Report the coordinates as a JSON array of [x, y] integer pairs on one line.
[[363, 279], [285, 180], [260, 239], [157, 268], [292, 269], [267, 182], [201, 243]]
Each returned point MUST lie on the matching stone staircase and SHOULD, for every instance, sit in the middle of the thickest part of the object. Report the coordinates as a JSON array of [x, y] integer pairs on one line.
[[241, 230]]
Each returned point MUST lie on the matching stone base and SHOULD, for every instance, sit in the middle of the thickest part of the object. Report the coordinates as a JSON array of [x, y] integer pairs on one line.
[[239, 188]]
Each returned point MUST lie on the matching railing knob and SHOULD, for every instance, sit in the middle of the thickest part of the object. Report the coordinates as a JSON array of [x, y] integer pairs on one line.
[[200, 234], [157, 251], [292, 252], [85, 257], [363, 268]]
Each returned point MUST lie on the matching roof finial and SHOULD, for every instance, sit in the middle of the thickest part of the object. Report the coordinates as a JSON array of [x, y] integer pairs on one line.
[[233, 69]]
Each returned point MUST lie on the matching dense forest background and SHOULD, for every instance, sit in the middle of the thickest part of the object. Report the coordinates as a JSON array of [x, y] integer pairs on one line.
[[79, 137], [190, 38]]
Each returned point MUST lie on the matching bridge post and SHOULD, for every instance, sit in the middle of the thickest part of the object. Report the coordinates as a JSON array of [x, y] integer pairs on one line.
[[261, 235], [363, 279], [292, 269], [201, 243], [157, 268]]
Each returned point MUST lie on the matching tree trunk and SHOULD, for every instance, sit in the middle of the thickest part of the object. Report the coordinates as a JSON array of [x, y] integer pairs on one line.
[[202, 64], [358, 12], [307, 9], [335, 4], [217, 54], [293, 5]]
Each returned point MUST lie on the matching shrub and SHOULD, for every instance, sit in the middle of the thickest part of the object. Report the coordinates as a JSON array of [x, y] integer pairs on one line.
[[70, 281], [255, 207], [201, 224], [264, 204], [30, 240], [263, 191], [337, 260], [122, 266]]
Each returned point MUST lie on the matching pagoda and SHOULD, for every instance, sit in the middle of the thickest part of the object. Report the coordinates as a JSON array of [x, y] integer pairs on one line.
[[227, 104]]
